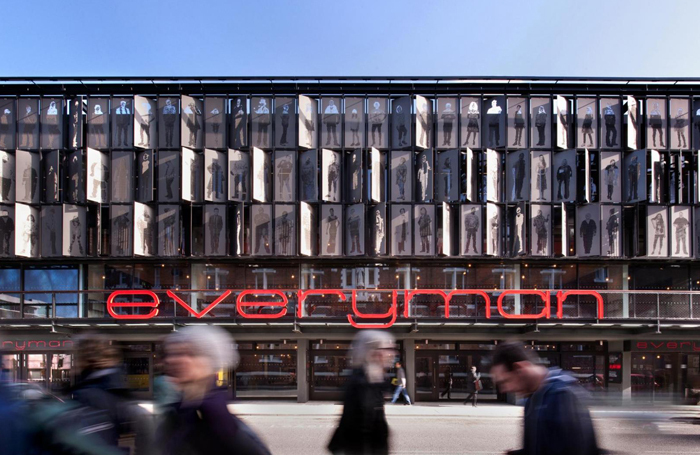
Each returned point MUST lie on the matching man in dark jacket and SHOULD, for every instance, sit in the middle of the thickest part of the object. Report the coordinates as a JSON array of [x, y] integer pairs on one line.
[[556, 420]]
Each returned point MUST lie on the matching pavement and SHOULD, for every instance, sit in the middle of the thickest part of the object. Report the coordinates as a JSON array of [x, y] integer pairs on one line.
[[488, 409], [290, 428]]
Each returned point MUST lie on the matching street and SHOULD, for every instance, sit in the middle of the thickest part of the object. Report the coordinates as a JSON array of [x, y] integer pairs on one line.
[[293, 429]]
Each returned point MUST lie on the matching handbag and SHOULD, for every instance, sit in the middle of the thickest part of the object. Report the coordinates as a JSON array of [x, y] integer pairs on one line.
[[477, 385]]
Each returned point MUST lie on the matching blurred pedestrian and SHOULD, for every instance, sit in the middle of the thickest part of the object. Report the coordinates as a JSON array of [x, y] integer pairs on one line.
[[363, 429], [556, 419], [473, 386], [164, 391], [106, 408], [14, 434], [200, 422], [448, 385]]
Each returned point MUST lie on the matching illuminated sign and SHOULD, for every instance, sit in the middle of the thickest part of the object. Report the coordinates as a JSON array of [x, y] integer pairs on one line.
[[277, 299], [667, 346], [35, 345], [615, 368]]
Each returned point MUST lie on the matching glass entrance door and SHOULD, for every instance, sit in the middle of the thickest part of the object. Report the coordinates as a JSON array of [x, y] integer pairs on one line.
[[426, 381], [329, 372]]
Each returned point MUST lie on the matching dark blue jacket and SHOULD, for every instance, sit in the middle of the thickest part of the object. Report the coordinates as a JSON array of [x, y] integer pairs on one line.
[[14, 434], [206, 428], [557, 421]]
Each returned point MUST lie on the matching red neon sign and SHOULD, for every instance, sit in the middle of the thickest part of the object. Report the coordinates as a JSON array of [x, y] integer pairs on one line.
[[111, 304], [355, 317], [545, 313]]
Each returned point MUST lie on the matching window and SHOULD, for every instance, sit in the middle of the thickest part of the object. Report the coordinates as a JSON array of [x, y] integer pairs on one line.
[[45, 281]]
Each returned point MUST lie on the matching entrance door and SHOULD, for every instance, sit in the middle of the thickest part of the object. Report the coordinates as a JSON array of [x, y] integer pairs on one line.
[[433, 370], [426, 380], [329, 370]]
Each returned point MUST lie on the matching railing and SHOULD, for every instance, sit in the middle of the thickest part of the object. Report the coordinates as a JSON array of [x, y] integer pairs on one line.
[[336, 305]]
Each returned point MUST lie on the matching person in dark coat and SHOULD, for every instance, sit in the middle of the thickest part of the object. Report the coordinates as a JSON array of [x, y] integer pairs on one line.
[[200, 422], [448, 385], [363, 429], [473, 385], [556, 418], [100, 386]]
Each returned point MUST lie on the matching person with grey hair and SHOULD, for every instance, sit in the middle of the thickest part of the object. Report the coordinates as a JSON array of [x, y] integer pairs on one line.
[[363, 429], [200, 422]]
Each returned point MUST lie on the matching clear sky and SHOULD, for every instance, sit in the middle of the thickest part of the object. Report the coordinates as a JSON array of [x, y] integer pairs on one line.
[[633, 38]]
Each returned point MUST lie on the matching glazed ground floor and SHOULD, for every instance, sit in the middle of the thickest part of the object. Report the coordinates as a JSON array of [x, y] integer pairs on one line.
[[303, 368]]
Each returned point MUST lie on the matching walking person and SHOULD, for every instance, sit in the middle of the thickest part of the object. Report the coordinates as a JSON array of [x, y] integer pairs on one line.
[[448, 385], [400, 385], [363, 429], [200, 422], [556, 419], [473, 386]]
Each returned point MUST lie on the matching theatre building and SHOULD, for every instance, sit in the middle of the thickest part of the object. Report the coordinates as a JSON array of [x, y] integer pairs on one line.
[[453, 213]]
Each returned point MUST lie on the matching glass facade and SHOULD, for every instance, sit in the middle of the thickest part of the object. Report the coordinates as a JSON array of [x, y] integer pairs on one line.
[[461, 200]]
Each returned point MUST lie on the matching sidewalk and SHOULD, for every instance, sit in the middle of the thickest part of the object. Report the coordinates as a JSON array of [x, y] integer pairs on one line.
[[438, 409], [420, 409]]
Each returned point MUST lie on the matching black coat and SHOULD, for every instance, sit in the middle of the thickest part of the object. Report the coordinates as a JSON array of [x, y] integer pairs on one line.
[[471, 381], [363, 429], [206, 428]]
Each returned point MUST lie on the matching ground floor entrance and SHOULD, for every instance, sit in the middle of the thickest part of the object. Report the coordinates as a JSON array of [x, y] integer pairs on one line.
[[670, 376], [52, 371], [437, 370], [442, 371]]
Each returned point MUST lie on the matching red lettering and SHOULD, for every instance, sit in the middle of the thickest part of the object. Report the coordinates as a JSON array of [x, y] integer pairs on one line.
[[206, 310], [696, 348], [37, 344], [642, 345], [408, 296], [656, 346], [562, 295], [468, 292], [240, 304], [54, 344], [685, 342], [111, 305], [302, 295], [545, 313], [391, 313], [672, 345]]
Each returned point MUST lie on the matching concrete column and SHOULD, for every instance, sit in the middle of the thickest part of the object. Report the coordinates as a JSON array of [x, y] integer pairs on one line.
[[302, 371], [517, 284], [409, 347], [625, 287], [626, 376]]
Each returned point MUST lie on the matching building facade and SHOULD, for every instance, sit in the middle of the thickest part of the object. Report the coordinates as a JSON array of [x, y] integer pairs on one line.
[[454, 213]]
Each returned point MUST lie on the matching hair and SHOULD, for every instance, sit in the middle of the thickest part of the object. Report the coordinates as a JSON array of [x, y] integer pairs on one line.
[[510, 353], [212, 342], [95, 352], [367, 341]]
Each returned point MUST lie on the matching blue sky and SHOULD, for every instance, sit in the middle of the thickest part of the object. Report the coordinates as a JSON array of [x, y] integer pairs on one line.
[[351, 38]]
